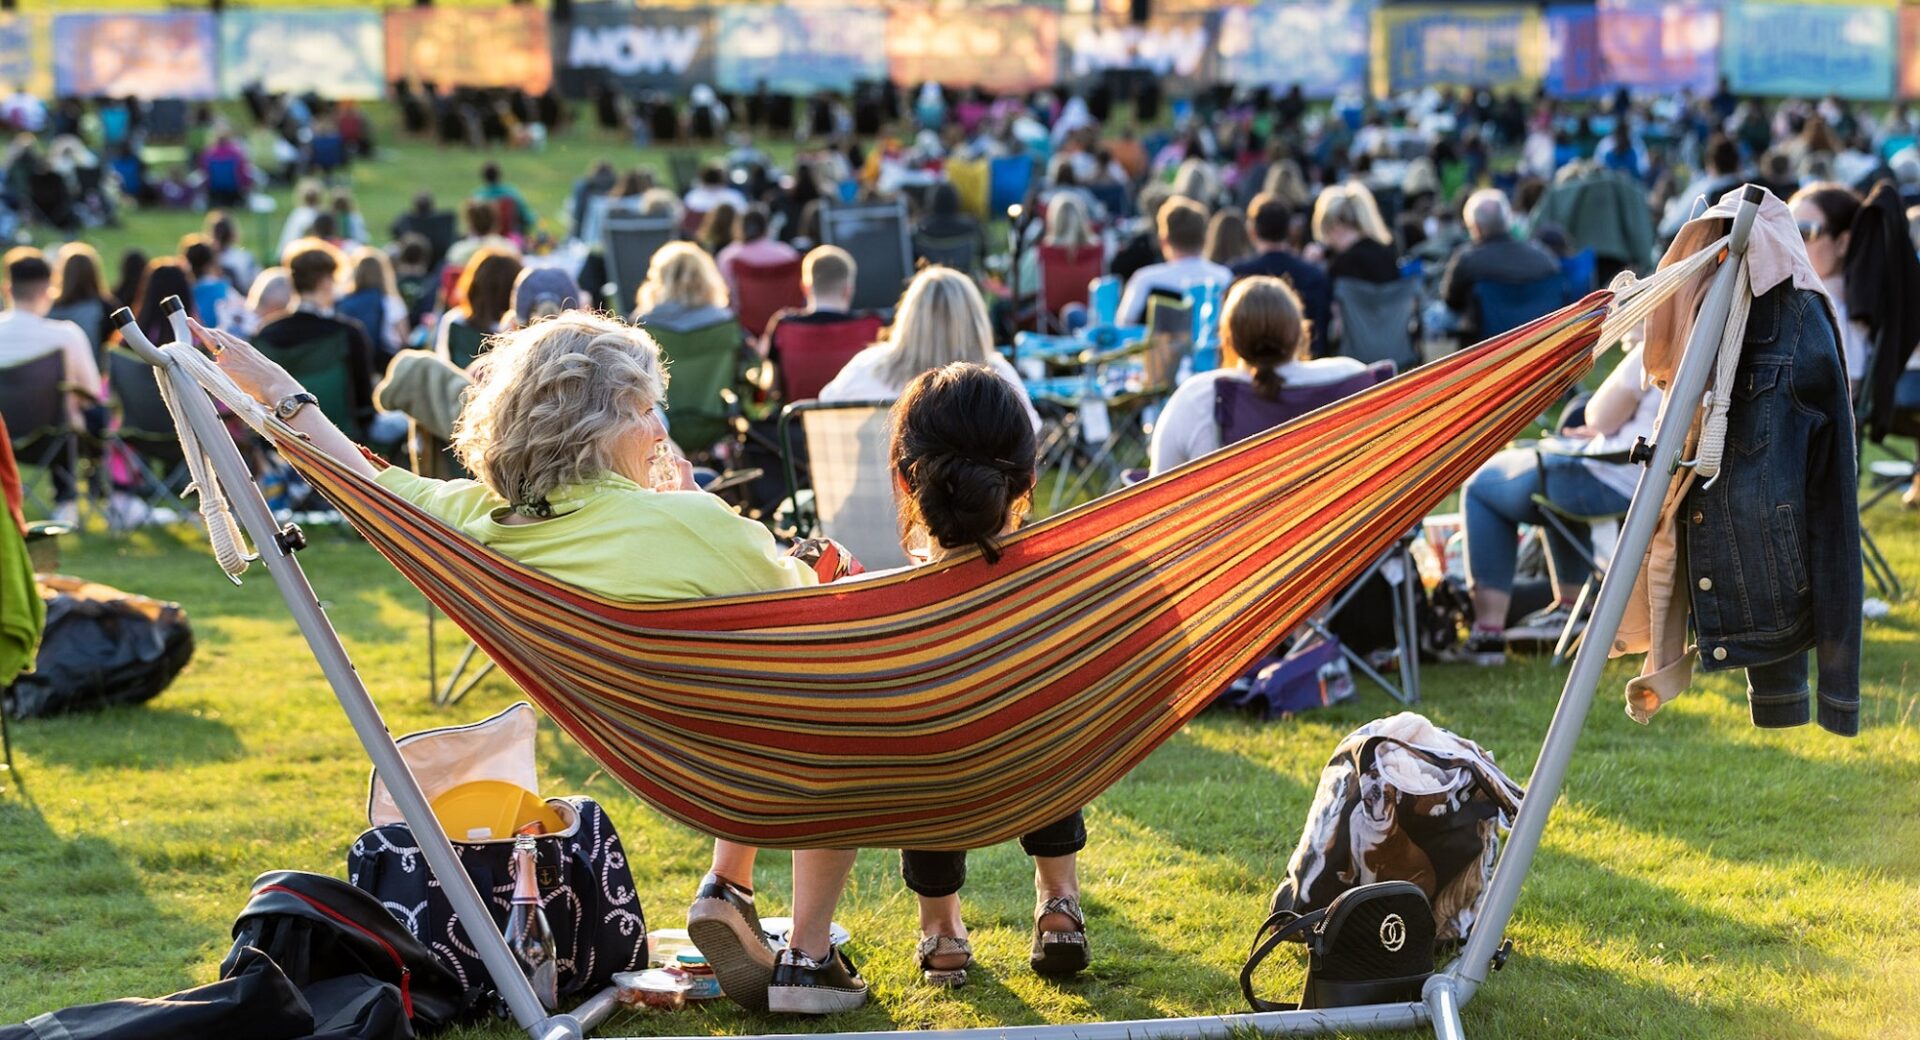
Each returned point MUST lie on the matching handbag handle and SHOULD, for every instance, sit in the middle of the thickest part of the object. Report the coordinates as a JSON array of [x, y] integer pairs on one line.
[[1284, 924]]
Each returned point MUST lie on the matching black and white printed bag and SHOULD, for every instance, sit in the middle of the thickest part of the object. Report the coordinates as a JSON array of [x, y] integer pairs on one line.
[[586, 887]]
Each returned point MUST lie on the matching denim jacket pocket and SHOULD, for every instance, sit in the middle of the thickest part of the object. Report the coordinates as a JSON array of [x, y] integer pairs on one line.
[[1750, 427], [1790, 547]]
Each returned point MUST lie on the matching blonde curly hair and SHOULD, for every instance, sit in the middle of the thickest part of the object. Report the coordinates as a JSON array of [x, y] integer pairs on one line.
[[682, 273], [552, 402]]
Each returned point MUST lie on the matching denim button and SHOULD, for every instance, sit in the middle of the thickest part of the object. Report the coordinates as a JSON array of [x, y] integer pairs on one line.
[[1699, 517], [1706, 584], [1719, 653]]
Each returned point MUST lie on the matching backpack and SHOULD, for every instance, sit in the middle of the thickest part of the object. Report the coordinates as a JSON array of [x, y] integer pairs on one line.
[[1372, 945], [1312, 673], [1403, 800], [586, 887], [317, 928]]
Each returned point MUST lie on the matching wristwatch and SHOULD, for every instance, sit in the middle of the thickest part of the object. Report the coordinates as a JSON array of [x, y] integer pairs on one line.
[[291, 404]]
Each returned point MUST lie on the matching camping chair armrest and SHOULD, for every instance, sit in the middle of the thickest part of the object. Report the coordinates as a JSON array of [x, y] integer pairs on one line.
[[1623, 455], [41, 530], [91, 396]]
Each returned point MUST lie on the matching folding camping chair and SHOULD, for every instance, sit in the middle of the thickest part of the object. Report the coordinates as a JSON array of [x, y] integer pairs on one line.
[[1067, 274], [1112, 414], [1562, 522], [765, 290], [324, 367], [1243, 414], [145, 435], [630, 242], [849, 474], [33, 403], [960, 252], [1505, 306], [1377, 319], [807, 355], [706, 367]]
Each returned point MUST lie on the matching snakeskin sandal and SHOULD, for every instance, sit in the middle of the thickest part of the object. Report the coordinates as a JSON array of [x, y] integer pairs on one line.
[[1060, 953], [944, 946]]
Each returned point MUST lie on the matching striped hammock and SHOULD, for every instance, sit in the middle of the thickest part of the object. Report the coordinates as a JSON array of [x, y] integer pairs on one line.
[[962, 704]]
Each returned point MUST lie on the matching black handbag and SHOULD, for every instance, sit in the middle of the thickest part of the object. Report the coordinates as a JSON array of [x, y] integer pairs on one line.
[[1372, 945]]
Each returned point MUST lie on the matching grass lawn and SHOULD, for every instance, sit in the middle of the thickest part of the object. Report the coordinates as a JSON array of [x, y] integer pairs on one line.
[[1700, 878]]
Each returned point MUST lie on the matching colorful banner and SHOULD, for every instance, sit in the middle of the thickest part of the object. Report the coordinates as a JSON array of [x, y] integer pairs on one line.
[[641, 48], [1810, 50], [16, 50], [1910, 52], [1573, 54], [333, 53], [1653, 45], [1012, 49], [1321, 46], [800, 50], [1174, 47], [470, 46], [1424, 45], [140, 55]]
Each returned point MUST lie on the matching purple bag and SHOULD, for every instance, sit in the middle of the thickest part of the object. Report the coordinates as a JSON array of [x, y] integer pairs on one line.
[[1313, 673]]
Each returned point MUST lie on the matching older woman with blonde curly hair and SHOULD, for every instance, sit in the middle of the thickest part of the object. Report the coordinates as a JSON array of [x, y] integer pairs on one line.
[[576, 479], [683, 290]]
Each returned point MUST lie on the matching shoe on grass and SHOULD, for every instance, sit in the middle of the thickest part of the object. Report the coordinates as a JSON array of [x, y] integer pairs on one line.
[[725, 928], [804, 986], [1483, 649], [1541, 626]]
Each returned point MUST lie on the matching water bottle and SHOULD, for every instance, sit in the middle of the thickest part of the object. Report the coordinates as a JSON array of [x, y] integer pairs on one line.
[[528, 934]]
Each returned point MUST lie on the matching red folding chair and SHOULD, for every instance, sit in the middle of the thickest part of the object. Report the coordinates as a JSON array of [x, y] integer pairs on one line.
[[1065, 273], [765, 290], [808, 355]]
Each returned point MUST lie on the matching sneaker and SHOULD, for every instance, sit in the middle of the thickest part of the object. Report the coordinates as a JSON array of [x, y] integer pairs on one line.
[[1541, 626], [725, 928], [1483, 649], [804, 986], [66, 513]]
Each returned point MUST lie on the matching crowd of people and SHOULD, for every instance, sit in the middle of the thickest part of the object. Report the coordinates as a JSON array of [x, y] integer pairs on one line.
[[1282, 208]]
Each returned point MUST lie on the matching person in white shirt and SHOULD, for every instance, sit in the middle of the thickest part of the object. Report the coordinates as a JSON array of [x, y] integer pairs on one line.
[[713, 190], [941, 320], [26, 334], [1264, 328], [313, 201], [1183, 235]]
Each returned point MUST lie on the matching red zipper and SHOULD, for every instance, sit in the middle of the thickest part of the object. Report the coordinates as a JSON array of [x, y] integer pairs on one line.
[[406, 973]]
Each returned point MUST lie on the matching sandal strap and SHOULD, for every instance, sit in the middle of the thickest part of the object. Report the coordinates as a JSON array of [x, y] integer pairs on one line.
[[942, 946], [1068, 906]]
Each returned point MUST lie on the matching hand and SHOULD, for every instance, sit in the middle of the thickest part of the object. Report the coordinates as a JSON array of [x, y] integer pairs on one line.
[[262, 380]]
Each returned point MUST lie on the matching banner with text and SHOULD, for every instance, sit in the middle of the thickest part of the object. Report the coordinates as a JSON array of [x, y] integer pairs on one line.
[[1812, 50], [1015, 48], [334, 53], [1423, 45], [470, 46], [799, 50], [1573, 53], [143, 55], [1660, 46], [1174, 47], [17, 66], [1321, 46], [665, 48]]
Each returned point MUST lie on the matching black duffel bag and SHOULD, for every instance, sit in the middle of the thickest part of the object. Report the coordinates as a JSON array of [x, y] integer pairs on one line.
[[101, 647]]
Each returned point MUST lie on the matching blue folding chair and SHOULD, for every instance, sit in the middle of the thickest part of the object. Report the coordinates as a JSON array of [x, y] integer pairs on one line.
[[1008, 178], [1577, 272], [1505, 306]]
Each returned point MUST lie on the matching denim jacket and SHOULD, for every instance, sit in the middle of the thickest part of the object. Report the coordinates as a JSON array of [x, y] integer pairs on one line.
[[1773, 546]]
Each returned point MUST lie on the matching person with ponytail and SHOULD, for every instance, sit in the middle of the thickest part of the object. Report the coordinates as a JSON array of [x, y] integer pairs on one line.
[[964, 461], [1264, 335]]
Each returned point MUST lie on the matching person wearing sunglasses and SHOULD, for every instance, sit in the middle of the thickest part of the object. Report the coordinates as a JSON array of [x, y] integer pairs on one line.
[[1825, 213]]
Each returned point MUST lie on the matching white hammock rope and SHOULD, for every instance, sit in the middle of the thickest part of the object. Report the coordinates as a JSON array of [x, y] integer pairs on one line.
[[1634, 299]]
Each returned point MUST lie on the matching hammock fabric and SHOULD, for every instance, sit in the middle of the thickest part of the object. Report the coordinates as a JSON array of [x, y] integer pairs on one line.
[[962, 704]]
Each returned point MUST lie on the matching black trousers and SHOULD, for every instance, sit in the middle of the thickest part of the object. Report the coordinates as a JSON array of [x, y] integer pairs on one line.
[[935, 874]]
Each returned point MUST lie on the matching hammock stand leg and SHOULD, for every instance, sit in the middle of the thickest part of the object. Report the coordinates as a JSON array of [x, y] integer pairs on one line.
[[1448, 991], [276, 548]]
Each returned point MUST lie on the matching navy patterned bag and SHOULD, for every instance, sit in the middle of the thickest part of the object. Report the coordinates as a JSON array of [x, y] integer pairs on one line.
[[586, 887]]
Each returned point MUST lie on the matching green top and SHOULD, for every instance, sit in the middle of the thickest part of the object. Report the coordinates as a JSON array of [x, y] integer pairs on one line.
[[615, 538], [22, 613]]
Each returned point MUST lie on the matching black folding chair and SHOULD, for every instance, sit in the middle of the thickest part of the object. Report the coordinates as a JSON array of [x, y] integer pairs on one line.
[[33, 403]]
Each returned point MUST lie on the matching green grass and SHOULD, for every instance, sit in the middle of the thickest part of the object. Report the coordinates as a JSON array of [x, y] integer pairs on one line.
[[1700, 878]]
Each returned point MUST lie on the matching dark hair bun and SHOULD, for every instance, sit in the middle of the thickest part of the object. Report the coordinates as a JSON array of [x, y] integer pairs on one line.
[[963, 443]]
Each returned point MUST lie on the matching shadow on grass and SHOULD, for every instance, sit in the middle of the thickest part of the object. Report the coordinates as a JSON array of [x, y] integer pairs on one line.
[[135, 736], [75, 908]]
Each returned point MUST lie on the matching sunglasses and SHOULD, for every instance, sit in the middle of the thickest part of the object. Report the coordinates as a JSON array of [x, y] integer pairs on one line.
[[1810, 230]]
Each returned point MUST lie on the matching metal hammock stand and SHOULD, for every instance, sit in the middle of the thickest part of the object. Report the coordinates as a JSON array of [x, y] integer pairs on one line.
[[1445, 994]]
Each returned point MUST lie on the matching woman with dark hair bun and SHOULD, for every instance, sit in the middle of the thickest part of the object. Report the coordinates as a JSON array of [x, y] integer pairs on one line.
[[964, 457]]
